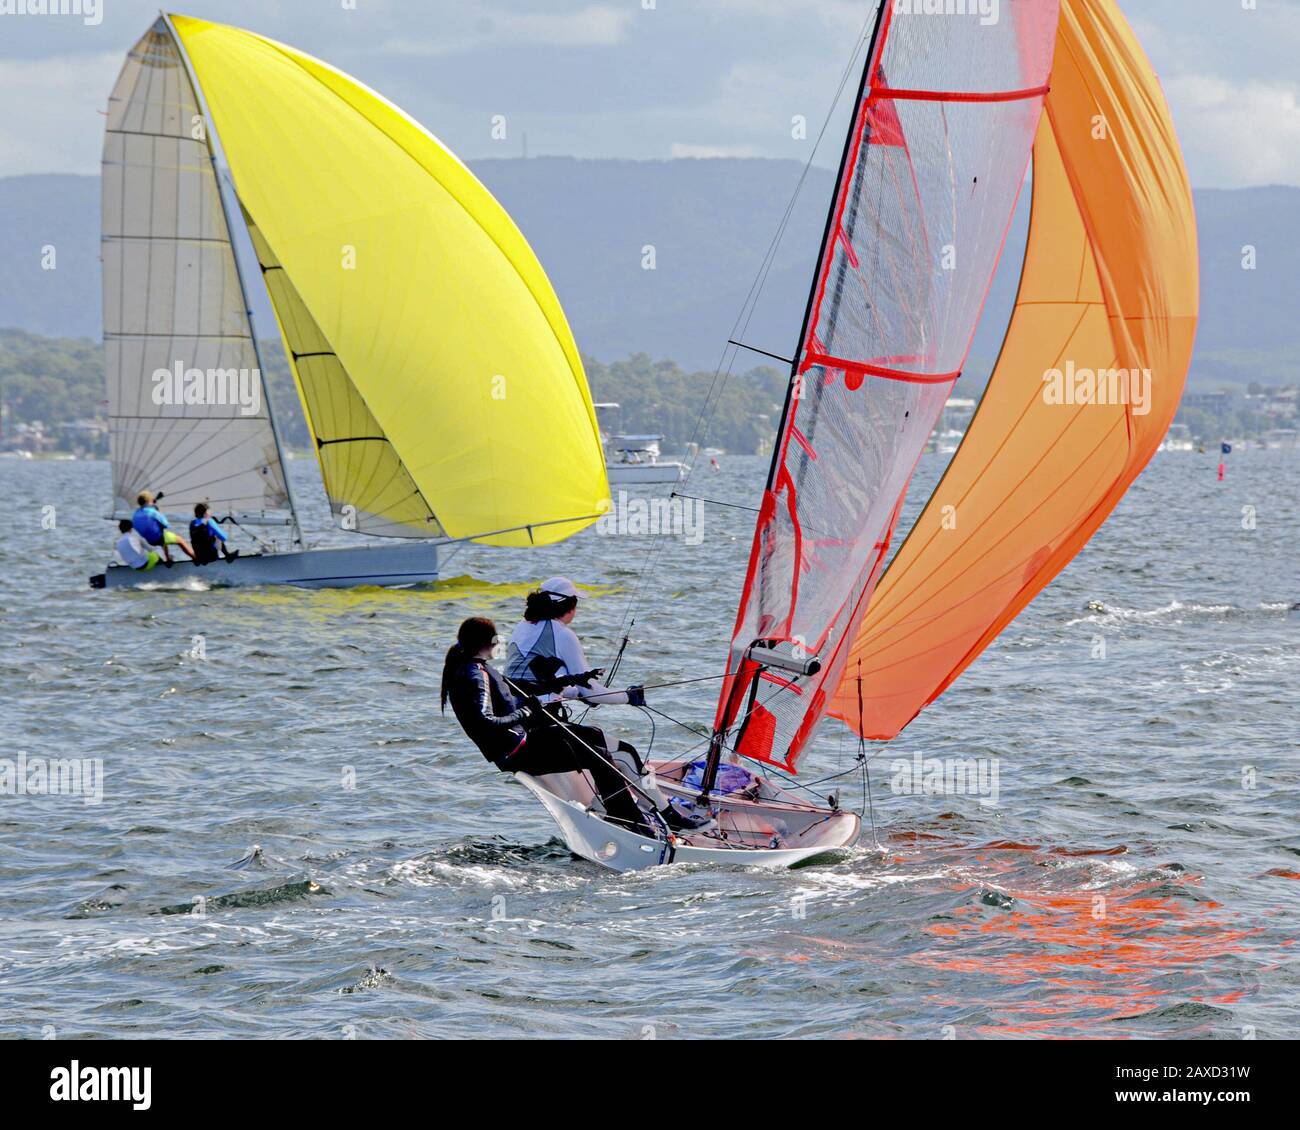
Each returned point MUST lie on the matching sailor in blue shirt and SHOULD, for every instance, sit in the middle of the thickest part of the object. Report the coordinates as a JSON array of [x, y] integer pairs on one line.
[[152, 525]]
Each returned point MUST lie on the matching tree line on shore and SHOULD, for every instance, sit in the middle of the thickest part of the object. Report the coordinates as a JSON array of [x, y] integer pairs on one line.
[[59, 382]]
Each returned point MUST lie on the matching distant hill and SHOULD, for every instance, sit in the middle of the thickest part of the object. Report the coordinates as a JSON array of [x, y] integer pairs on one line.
[[710, 223]]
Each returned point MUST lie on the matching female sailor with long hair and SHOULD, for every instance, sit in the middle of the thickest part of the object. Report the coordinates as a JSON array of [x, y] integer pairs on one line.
[[520, 735]]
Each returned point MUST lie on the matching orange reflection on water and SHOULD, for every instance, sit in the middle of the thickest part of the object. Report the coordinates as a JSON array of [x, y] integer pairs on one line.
[[1109, 952], [1022, 939]]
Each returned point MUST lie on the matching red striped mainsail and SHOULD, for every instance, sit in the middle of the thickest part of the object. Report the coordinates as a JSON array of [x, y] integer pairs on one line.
[[936, 153]]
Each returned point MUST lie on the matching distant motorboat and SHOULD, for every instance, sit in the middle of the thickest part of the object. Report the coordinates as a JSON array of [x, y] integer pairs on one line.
[[1178, 438], [635, 459]]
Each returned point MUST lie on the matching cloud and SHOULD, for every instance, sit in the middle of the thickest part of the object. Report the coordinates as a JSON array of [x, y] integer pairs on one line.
[[607, 78], [597, 25], [1237, 134]]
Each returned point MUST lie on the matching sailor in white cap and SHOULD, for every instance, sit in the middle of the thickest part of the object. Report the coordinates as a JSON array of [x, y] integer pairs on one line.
[[544, 650], [545, 658]]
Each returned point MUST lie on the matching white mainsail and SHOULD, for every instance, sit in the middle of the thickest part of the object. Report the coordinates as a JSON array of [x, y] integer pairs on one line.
[[173, 304]]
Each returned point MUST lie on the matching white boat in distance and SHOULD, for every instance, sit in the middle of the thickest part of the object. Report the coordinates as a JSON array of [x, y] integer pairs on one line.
[[633, 459], [390, 565]]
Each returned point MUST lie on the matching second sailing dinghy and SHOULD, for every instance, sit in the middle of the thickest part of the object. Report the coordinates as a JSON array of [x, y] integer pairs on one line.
[[427, 345], [947, 112]]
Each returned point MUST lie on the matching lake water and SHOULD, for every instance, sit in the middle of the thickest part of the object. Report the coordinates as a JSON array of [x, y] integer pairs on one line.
[[293, 842]]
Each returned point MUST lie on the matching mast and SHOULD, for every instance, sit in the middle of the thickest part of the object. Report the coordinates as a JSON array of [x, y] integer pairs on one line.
[[214, 145], [717, 740], [826, 238]]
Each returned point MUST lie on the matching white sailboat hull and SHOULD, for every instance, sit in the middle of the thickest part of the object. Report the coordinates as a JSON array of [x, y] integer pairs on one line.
[[804, 831], [410, 564], [629, 473]]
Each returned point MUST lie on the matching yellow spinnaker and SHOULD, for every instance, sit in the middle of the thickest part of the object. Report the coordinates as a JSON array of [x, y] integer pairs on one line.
[[448, 336]]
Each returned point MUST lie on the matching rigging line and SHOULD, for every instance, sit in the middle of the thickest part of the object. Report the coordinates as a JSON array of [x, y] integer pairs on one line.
[[715, 502], [871, 803], [618, 658], [682, 757], [605, 756], [737, 725], [678, 722], [808, 787], [750, 303], [863, 759], [764, 352], [830, 777], [653, 731], [794, 782], [595, 698], [231, 519]]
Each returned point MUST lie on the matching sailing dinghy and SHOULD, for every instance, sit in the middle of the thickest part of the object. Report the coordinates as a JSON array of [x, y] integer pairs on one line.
[[427, 346], [947, 112]]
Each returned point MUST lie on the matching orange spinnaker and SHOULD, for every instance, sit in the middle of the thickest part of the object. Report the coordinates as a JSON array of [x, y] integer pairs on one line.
[[1110, 282]]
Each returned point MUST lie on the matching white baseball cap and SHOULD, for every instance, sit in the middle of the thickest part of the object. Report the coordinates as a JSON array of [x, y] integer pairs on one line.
[[559, 586]]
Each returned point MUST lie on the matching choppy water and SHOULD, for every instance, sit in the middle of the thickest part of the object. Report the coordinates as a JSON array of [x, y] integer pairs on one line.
[[1137, 877]]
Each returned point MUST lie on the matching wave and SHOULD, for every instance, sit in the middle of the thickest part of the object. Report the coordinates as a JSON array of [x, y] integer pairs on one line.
[[253, 897], [1176, 611]]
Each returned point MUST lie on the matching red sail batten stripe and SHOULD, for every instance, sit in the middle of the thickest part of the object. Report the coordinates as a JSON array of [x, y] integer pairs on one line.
[[826, 362], [802, 441], [849, 253], [859, 125], [882, 93], [786, 684], [786, 481]]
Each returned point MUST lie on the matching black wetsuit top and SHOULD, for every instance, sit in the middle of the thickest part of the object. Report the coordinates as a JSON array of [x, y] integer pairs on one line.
[[485, 708], [204, 542]]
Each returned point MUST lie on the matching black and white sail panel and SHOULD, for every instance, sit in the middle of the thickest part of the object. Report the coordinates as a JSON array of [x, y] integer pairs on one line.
[[187, 406]]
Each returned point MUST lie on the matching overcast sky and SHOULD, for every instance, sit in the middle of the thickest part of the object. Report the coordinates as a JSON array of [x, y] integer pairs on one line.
[[635, 78]]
